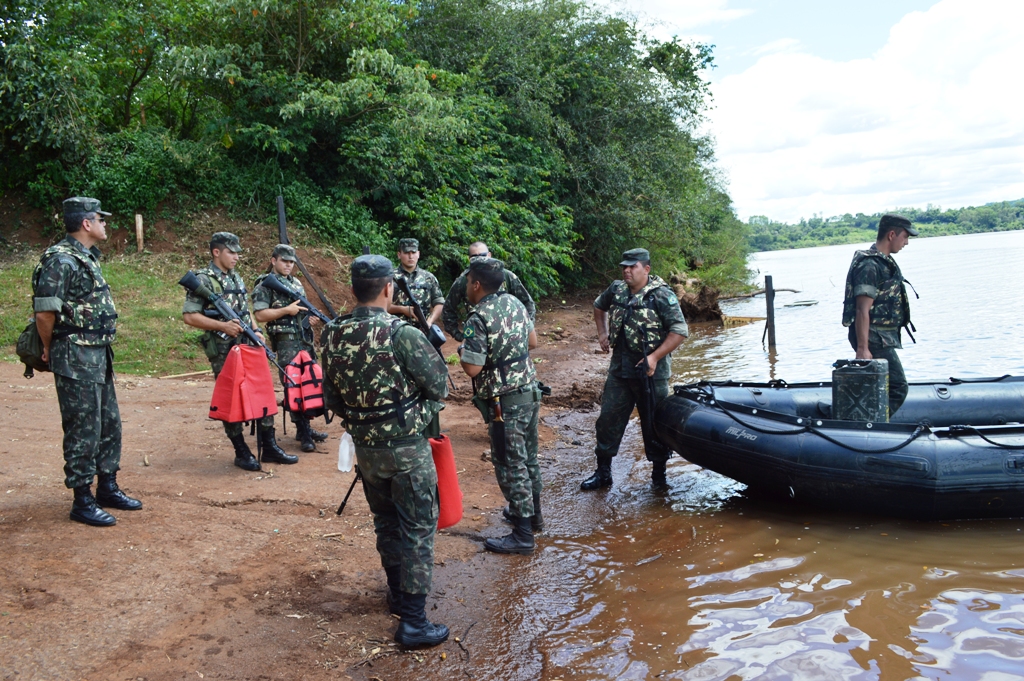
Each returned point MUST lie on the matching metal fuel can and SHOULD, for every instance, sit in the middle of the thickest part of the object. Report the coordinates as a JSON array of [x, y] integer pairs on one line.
[[860, 390]]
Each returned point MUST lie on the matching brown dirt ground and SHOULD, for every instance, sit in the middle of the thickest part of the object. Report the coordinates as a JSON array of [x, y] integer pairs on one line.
[[227, 574]]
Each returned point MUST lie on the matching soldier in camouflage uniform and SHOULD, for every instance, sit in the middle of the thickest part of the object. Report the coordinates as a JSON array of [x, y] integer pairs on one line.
[[385, 382], [496, 355], [76, 320], [422, 283], [876, 306], [636, 316], [288, 327], [220, 335], [457, 307]]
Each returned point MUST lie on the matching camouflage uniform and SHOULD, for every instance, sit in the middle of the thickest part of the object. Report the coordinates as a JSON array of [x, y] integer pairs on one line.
[[635, 322], [231, 288], [456, 307], [497, 338], [68, 281], [385, 382], [288, 335], [877, 276], [424, 287]]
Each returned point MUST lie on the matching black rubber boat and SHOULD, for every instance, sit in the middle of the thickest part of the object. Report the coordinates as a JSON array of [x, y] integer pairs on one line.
[[954, 450]]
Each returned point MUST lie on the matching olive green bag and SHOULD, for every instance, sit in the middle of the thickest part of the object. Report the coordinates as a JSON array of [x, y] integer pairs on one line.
[[30, 350]]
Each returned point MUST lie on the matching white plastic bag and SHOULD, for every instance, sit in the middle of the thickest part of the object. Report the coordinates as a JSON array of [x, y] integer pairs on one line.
[[346, 453]]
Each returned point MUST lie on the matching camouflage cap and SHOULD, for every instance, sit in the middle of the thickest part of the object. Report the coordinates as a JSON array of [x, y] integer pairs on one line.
[[635, 255], [372, 267], [897, 222], [408, 245], [284, 252], [482, 264], [82, 204], [227, 240]]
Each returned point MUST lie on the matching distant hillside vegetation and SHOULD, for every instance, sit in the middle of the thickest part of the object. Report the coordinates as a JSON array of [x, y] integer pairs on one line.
[[767, 235]]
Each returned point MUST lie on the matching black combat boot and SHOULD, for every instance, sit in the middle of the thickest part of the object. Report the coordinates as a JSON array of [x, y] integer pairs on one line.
[[85, 510], [271, 452], [536, 522], [243, 455], [415, 629], [303, 433], [109, 495], [658, 480], [520, 541], [317, 435], [394, 575], [601, 478]]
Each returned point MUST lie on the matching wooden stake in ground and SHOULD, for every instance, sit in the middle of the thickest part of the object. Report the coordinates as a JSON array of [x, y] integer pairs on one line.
[[138, 233]]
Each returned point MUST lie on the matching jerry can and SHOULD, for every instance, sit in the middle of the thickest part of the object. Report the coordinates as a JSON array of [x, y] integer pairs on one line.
[[860, 390]]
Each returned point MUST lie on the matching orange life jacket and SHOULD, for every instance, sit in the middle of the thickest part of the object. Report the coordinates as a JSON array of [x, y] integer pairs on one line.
[[245, 389], [304, 386], [448, 492]]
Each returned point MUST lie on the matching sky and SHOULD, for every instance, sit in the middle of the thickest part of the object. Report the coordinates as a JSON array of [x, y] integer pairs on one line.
[[826, 107]]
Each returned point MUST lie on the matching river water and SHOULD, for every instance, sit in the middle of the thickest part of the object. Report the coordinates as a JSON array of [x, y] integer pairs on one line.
[[703, 583]]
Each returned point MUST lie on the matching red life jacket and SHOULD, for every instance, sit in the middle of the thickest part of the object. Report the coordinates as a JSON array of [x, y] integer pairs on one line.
[[245, 389], [448, 492], [304, 386]]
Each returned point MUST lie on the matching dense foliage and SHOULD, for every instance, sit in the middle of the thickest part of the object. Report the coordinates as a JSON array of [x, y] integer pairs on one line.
[[559, 134], [767, 235]]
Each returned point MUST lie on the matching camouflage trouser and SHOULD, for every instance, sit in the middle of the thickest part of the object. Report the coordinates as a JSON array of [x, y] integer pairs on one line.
[[400, 484], [898, 386], [217, 363], [92, 429], [519, 474], [621, 395], [286, 350]]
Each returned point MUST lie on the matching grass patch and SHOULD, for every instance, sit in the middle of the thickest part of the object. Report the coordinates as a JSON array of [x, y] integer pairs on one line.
[[151, 338]]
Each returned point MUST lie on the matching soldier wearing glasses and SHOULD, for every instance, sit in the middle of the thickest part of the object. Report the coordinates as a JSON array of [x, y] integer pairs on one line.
[[76, 320]]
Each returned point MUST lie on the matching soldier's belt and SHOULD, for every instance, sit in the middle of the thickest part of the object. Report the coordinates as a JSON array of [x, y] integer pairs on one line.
[[285, 335], [525, 395]]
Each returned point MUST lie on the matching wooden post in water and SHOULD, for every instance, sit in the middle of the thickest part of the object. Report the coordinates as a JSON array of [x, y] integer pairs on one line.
[[769, 296], [139, 245]]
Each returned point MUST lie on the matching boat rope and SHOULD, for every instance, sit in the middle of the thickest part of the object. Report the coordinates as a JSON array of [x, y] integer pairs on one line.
[[956, 431], [918, 431], [953, 380]]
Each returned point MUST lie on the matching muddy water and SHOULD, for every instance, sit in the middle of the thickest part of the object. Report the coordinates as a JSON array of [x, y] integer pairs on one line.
[[703, 582]]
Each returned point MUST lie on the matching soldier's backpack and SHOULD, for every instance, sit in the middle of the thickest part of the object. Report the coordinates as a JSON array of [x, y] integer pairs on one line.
[[30, 350]]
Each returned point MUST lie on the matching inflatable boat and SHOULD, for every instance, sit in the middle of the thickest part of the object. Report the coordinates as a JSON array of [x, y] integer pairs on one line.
[[954, 450]]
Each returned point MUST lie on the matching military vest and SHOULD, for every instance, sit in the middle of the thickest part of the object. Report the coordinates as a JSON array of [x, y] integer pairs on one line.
[[230, 287], [892, 306], [633, 319], [508, 352], [91, 320], [287, 323], [381, 402]]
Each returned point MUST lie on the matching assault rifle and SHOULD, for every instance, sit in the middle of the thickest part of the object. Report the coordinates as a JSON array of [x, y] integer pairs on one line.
[[433, 332], [274, 284], [191, 282]]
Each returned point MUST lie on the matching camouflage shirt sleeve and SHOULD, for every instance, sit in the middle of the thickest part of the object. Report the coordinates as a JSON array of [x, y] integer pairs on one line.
[[421, 362], [669, 312], [474, 348], [262, 298], [604, 301], [450, 312], [516, 288], [436, 294], [54, 282], [867, 276]]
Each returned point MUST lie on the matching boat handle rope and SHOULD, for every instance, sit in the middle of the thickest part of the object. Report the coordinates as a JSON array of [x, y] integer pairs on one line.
[[918, 431], [957, 431]]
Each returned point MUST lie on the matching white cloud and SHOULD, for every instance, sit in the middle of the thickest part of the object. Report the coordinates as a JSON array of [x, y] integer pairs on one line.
[[776, 46], [935, 116]]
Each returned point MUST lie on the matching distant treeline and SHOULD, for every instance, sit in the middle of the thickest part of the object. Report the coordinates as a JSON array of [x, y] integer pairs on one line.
[[558, 133], [767, 235]]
